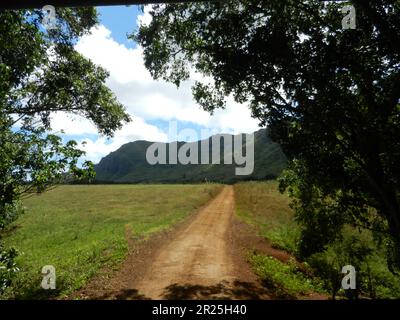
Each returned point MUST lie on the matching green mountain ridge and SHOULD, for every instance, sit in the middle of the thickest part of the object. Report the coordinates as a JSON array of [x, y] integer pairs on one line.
[[128, 164]]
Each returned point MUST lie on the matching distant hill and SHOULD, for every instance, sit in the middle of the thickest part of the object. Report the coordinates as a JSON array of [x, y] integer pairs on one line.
[[128, 164]]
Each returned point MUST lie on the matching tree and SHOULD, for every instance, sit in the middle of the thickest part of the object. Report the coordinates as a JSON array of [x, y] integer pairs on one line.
[[330, 97], [40, 72]]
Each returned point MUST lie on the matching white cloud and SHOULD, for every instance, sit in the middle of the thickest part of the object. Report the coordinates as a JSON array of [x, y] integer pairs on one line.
[[145, 18], [145, 98], [124, 64], [235, 119], [137, 130], [150, 99], [71, 124]]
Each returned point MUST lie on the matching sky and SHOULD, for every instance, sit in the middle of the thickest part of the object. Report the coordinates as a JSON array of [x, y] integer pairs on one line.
[[152, 104]]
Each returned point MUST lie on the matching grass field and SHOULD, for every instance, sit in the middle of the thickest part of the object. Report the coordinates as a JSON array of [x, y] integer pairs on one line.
[[79, 229], [260, 204]]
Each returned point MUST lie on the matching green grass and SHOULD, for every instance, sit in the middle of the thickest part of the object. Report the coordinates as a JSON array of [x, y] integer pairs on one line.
[[79, 229], [260, 204], [285, 280]]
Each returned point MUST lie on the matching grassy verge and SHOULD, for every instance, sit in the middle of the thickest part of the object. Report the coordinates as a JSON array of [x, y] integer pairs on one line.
[[79, 229], [260, 204], [285, 280]]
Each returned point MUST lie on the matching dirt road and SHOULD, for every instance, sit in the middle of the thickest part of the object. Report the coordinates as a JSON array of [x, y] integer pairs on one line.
[[199, 260], [198, 256]]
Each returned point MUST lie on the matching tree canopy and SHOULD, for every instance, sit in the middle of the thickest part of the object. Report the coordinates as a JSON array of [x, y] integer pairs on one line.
[[329, 95], [40, 73]]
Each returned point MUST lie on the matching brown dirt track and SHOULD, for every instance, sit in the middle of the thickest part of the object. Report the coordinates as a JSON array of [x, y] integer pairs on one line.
[[198, 261], [202, 258]]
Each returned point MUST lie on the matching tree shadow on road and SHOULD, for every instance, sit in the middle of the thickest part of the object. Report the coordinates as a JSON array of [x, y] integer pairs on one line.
[[236, 290], [224, 290], [123, 294]]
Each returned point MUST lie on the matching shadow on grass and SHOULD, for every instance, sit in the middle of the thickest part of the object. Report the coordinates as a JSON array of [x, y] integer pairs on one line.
[[277, 292], [37, 294]]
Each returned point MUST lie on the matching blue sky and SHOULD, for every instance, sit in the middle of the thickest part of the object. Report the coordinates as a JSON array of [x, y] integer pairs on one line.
[[121, 20], [152, 104]]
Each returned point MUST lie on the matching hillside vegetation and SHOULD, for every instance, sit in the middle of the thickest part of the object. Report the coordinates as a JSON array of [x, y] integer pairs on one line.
[[128, 165]]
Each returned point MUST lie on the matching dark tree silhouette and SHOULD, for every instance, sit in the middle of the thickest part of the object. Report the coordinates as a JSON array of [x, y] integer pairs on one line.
[[329, 95]]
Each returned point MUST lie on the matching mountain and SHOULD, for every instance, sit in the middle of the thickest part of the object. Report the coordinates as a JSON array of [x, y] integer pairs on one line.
[[128, 164]]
